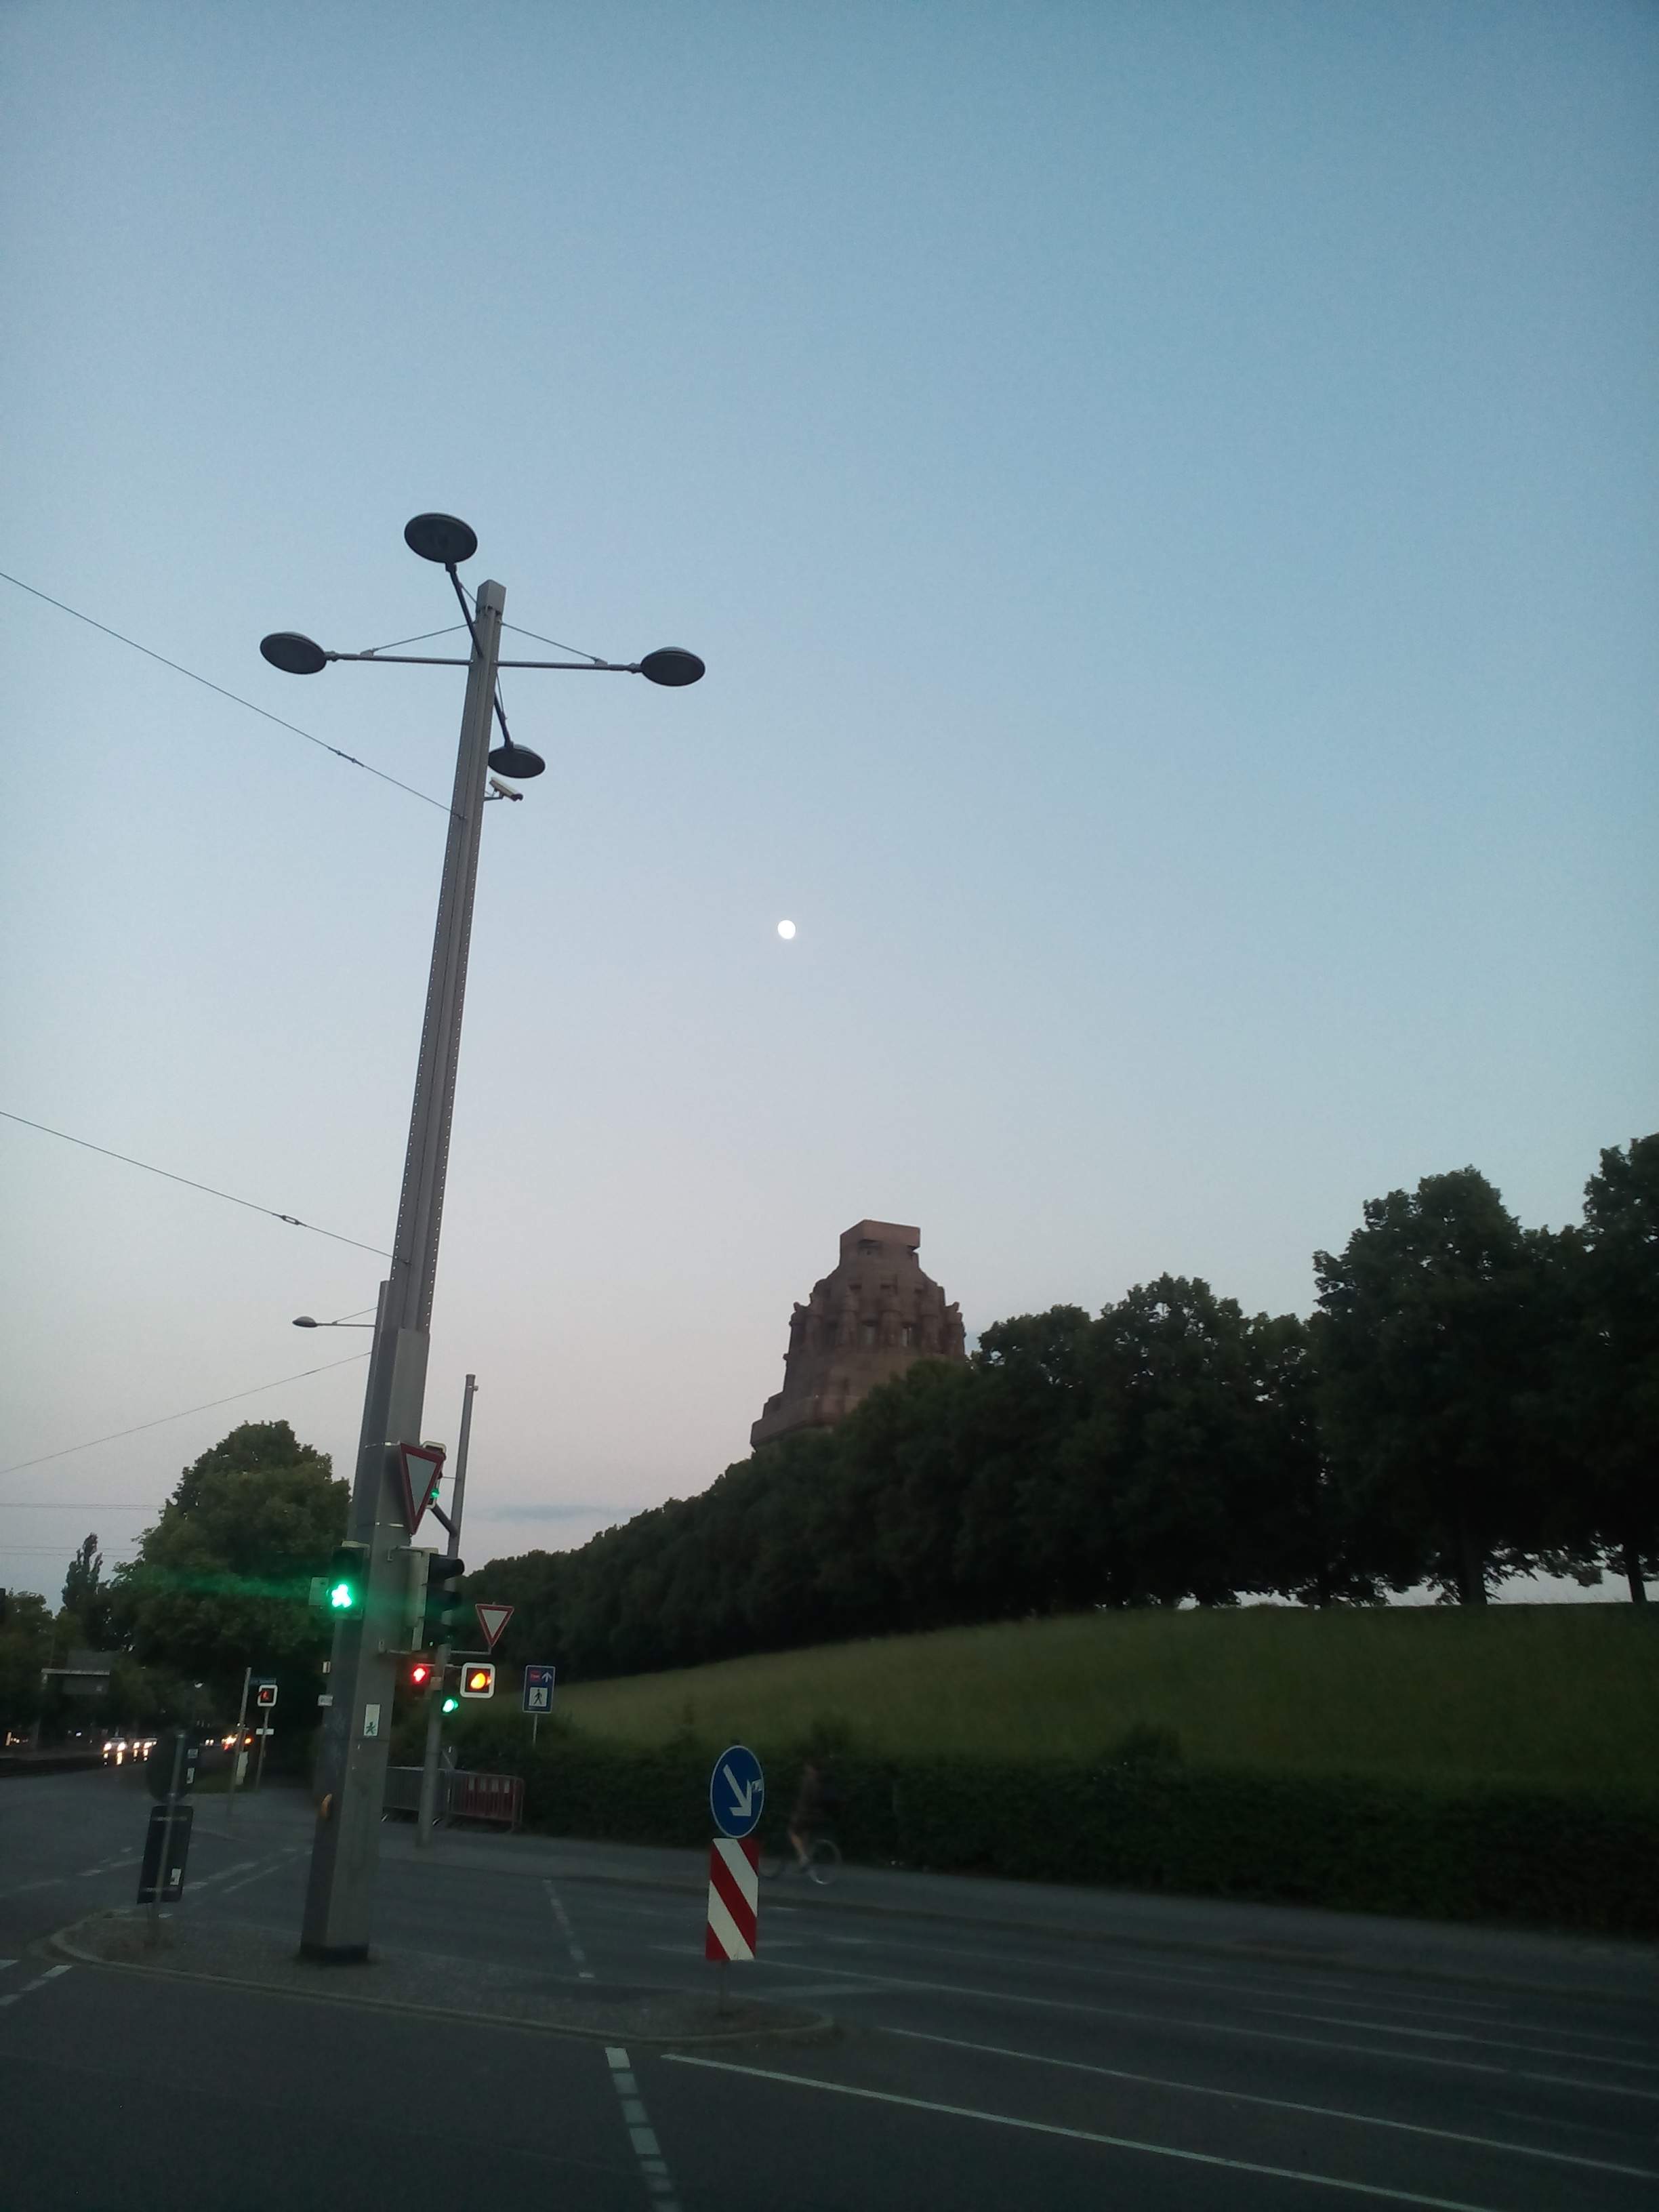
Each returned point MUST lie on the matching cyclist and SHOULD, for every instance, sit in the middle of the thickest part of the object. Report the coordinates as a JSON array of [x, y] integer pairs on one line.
[[814, 1800]]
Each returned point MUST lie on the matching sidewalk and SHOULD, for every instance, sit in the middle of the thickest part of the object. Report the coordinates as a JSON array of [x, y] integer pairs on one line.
[[1518, 1959]]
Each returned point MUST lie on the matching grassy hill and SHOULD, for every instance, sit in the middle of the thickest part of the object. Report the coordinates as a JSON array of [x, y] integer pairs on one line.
[[1553, 1695]]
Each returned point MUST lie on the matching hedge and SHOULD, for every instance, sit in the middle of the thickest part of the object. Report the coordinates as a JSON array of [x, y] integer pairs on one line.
[[1585, 1860]]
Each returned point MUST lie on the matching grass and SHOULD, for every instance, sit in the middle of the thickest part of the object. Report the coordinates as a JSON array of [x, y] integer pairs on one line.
[[1557, 1695]]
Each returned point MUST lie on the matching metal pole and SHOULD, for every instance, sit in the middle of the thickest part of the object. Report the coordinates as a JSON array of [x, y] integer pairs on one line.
[[265, 1738], [236, 1755], [426, 1814], [351, 1764]]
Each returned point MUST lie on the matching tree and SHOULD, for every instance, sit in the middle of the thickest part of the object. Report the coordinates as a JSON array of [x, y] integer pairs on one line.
[[222, 1581], [84, 1582], [1433, 1336], [24, 1648], [1608, 1375]]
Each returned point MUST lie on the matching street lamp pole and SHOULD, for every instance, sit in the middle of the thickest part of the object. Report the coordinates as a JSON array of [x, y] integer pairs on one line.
[[362, 1672], [357, 1726]]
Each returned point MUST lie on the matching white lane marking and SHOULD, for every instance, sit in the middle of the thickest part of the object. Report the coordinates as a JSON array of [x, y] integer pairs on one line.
[[38, 1983], [877, 1983], [4, 1963], [579, 1957], [653, 2168], [52, 1882], [1076, 2134], [1443, 2035], [1204, 1981], [259, 1875], [1276, 2104]]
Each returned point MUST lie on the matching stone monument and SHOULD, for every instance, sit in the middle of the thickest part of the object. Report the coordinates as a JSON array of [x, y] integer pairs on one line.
[[866, 1322]]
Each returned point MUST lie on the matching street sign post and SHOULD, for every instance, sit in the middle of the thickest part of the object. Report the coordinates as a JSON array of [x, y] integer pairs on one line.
[[538, 1695], [493, 1619], [737, 1791]]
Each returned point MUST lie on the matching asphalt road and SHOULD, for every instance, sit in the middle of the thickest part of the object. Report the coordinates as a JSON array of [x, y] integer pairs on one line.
[[998, 2046]]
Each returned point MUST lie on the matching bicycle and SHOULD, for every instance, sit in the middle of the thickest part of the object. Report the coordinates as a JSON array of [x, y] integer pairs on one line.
[[822, 1857]]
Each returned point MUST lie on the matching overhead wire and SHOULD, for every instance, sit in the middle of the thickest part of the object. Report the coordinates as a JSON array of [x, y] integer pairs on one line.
[[234, 697], [161, 1421], [190, 1183], [557, 643]]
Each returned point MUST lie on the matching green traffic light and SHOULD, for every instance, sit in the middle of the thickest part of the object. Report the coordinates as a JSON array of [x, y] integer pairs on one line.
[[451, 1705], [342, 1597]]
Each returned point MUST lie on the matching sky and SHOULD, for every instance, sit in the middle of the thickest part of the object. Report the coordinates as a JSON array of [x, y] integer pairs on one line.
[[1166, 497]]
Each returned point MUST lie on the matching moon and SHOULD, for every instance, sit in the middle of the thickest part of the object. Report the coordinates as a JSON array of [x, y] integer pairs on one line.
[[786, 930]]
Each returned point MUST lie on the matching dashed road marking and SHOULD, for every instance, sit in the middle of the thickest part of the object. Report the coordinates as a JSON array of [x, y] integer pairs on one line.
[[653, 2168], [579, 1957], [38, 1983]]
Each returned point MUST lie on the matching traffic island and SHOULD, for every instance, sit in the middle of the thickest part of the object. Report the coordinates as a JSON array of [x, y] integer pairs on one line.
[[245, 1956]]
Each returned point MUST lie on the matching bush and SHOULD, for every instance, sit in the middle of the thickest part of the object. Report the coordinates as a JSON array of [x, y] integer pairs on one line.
[[1579, 1860]]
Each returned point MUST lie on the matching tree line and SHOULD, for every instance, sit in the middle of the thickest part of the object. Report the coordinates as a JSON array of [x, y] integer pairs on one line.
[[1470, 1400]]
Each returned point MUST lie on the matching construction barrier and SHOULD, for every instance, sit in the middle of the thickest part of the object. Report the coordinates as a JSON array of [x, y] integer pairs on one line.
[[461, 1797]]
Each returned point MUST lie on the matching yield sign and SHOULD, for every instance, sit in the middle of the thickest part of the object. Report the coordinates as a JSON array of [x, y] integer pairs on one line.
[[492, 1619], [419, 1467]]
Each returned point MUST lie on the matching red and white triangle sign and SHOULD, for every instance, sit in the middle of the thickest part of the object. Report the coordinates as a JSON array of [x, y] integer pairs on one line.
[[492, 1619]]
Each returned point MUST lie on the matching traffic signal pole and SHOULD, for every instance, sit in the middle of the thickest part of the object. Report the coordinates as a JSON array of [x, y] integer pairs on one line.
[[362, 1676], [425, 1819]]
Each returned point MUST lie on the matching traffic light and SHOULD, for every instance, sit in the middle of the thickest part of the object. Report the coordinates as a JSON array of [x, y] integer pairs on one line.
[[446, 1609], [478, 1678], [340, 1592], [421, 1675], [452, 1703]]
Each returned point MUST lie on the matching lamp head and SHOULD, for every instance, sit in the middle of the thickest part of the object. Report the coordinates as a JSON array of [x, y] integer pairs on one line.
[[671, 665], [444, 539], [293, 654], [516, 761]]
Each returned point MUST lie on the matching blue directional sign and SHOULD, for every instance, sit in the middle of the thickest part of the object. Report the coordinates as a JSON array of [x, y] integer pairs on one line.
[[538, 1689], [737, 1791]]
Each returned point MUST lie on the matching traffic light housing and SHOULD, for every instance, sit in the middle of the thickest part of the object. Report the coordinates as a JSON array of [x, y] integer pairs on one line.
[[478, 1678], [422, 1674], [446, 1608], [341, 1594]]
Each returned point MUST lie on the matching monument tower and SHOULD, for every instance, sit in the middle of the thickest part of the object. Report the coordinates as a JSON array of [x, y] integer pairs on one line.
[[864, 1324]]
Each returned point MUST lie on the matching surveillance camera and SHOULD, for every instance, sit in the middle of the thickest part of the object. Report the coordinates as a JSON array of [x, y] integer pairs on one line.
[[502, 790]]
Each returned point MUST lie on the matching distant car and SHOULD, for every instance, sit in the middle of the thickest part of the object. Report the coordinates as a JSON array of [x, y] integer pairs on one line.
[[120, 1750]]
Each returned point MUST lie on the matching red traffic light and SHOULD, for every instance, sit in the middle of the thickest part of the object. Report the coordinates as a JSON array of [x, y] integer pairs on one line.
[[421, 1675]]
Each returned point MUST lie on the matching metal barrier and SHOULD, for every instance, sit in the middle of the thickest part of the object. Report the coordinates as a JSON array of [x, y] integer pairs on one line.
[[486, 1797], [461, 1797]]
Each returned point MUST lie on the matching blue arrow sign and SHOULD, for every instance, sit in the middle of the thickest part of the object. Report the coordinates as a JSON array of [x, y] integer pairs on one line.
[[737, 1791], [538, 1689]]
